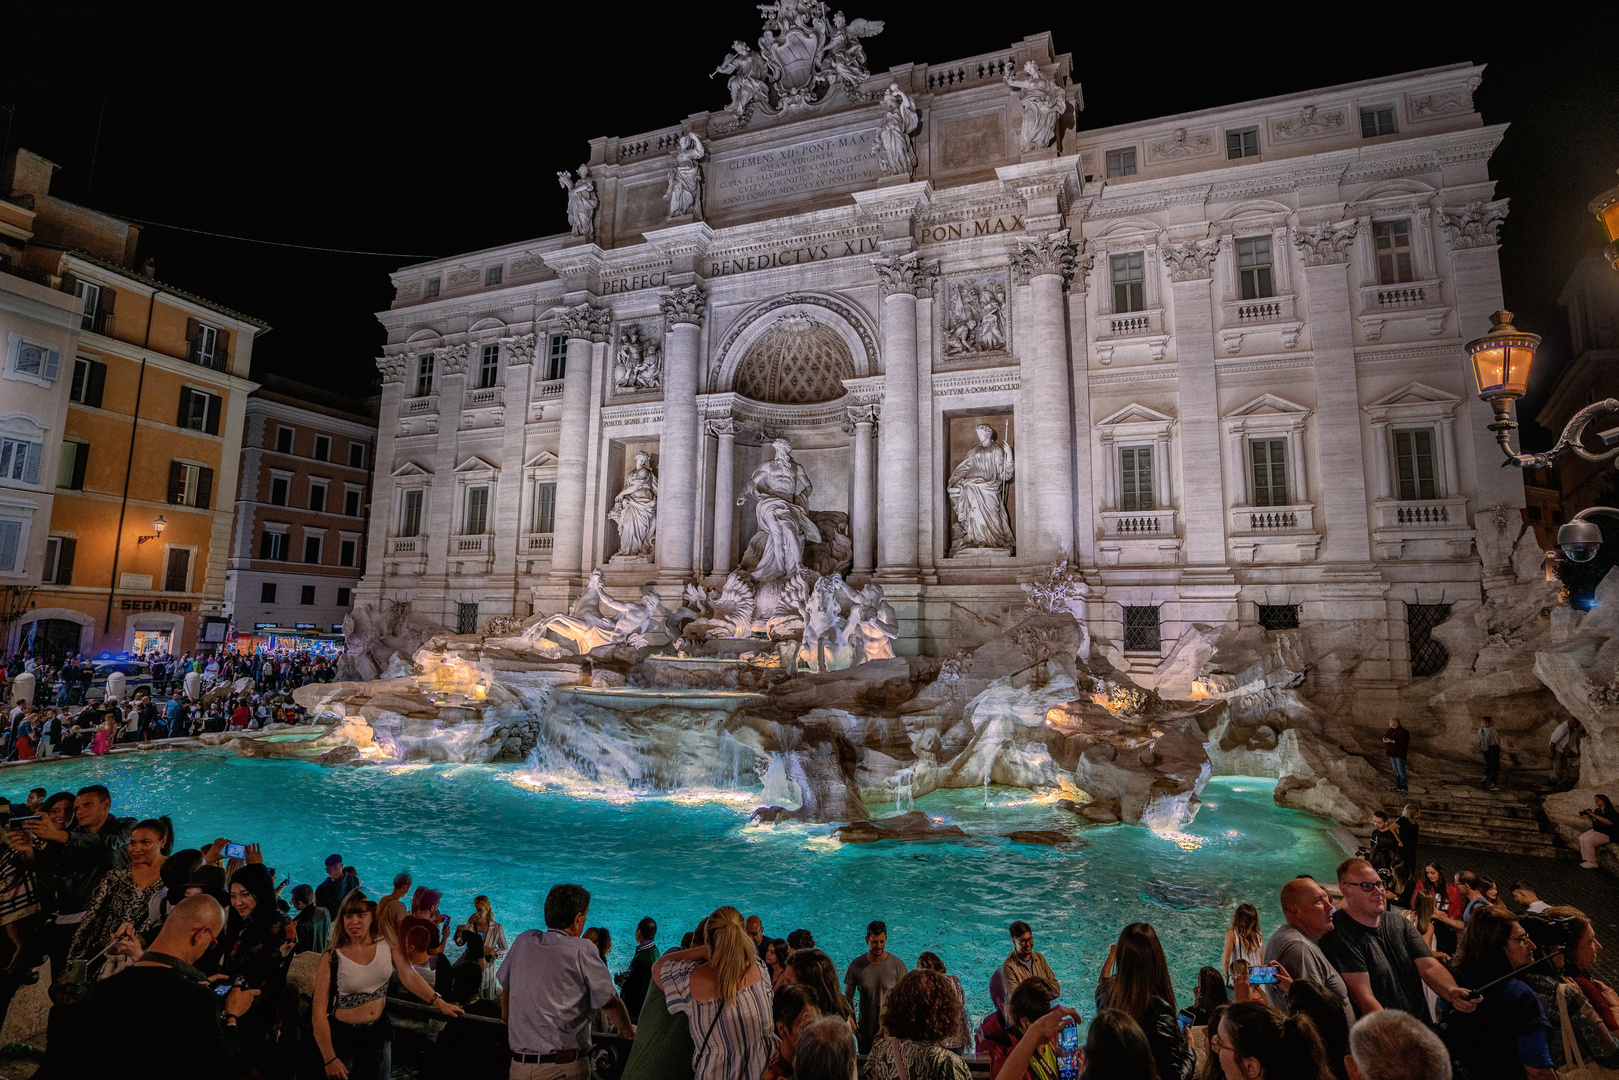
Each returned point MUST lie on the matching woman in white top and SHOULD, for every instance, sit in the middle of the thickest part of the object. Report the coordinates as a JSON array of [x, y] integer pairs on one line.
[[482, 921], [725, 993], [1243, 941], [349, 1008]]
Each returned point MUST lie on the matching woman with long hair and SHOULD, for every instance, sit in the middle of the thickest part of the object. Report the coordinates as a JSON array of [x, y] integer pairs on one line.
[[1326, 1012], [1116, 1049], [961, 1039], [919, 1013], [482, 923], [722, 988], [254, 952], [1604, 822], [1243, 939], [1505, 1036], [1563, 935], [1142, 991], [349, 1005], [128, 902], [1209, 996], [1256, 1042], [1449, 905], [775, 958], [814, 969]]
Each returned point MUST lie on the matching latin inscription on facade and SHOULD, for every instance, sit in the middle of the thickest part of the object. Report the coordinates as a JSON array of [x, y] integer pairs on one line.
[[961, 230], [633, 283], [793, 256], [782, 172]]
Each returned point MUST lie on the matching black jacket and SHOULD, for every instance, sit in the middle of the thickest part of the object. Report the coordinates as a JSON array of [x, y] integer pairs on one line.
[[1170, 1053]]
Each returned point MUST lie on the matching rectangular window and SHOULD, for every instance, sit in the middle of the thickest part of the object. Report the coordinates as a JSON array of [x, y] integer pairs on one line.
[[179, 569], [1414, 464], [278, 490], [545, 509], [1129, 281], [210, 345], [1241, 143], [1254, 268], [91, 295], [32, 361], [488, 365], [410, 513], [283, 440], [493, 275], [317, 496], [1141, 629], [323, 448], [199, 411], [190, 485], [1269, 460], [89, 378], [1135, 478], [273, 545], [59, 561], [267, 593], [19, 460], [466, 618], [1279, 616], [477, 511], [424, 374], [343, 597], [75, 456], [10, 545], [351, 502], [345, 552], [1393, 240], [307, 595], [356, 455], [1377, 120], [430, 289], [556, 356], [1428, 654], [312, 549], [1121, 162]]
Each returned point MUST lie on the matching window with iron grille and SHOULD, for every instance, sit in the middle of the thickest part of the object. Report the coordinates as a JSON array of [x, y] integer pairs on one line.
[[1254, 267], [1279, 616], [1141, 629], [1135, 478], [1269, 460], [1242, 143], [1413, 457], [1428, 654], [1121, 162], [1393, 241], [488, 365], [1377, 120], [466, 618], [1129, 281], [556, 357]]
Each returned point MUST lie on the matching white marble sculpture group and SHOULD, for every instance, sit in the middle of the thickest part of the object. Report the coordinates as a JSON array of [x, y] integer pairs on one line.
[[975, 318], [597, 619], [639, 363], [805, 52], [582, 201], [1044, 103]]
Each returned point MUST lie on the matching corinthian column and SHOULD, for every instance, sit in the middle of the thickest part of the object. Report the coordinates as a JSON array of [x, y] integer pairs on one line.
[[1191, 266], [863, 418], [724, 493], [677, 450], [584, 325], [1044, 443], [900, 277]]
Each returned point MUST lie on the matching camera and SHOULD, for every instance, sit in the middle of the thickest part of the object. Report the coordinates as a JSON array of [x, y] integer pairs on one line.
[[1551, 934]]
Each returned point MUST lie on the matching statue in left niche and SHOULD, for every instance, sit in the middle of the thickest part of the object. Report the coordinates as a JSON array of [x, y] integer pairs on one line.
[[635, 512], [639, 364], [685, 191], [582, 201], [894, 153], [611, 622]]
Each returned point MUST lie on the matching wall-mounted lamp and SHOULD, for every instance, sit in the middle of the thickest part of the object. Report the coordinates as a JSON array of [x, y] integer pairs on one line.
[[157, 523]]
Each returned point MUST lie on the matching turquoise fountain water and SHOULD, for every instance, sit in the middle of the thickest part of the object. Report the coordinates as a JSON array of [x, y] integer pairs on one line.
[[508, 833]]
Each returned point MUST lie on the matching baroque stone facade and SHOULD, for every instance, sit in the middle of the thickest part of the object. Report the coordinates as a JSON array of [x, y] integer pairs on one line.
[[1225, 349]]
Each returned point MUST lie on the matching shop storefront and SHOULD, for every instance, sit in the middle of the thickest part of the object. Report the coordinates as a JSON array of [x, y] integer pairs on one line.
[[299, 639]]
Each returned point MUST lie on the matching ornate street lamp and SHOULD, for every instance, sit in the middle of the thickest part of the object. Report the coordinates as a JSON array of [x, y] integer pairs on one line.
[[1606, 208], [158, 524]]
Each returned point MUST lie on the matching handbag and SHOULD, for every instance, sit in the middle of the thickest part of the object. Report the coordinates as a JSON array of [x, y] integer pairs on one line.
[[1575, 1066]]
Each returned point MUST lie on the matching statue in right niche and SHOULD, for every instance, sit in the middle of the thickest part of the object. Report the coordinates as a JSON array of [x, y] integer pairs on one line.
[[977, 491]]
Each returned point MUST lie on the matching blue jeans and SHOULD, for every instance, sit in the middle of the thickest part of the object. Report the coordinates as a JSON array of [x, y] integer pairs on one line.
[[1399, 772]]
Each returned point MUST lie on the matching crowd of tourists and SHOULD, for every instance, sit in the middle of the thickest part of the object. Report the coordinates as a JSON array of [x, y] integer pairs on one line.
[[197, 950]]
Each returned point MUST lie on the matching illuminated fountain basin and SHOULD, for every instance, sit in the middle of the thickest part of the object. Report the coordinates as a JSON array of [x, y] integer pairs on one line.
[[509, 833]]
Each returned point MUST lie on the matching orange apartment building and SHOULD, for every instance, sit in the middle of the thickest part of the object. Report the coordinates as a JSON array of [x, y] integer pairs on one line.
[[150, 448]]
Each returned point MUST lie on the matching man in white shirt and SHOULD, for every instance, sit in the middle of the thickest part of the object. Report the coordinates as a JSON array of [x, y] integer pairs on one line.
[[1565, 743], [1523, 893], [550, 983]]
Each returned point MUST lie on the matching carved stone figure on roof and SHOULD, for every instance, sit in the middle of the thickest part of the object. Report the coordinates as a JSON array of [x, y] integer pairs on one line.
[[844, 53], [894, 153], [804, 51], [748, 82], [582, 201], [686, 177], [1044, 103]]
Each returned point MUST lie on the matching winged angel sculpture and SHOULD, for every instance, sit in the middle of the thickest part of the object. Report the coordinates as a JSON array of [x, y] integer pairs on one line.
[[803, 54]]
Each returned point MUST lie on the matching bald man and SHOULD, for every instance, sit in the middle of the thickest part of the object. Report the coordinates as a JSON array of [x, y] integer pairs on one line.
[[161, 1005], [1307, 909]]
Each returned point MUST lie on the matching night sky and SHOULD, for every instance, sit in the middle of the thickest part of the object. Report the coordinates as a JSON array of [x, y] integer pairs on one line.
[[384, 129]]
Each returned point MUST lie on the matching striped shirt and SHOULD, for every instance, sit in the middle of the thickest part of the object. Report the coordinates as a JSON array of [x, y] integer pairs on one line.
[[741, 1036]]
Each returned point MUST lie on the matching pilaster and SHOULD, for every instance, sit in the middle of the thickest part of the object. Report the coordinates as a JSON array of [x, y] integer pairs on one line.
[[900, 278], [1044, 454]]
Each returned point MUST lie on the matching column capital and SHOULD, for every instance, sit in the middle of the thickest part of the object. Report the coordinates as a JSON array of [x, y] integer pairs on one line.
[[1326, 244], [686, 305], [587, 323], [1478, 224], [908, 273], [1039, 256], [452, 359], [861, 414], [393, 368], [1192, 261], [519, 350], [724, 427]]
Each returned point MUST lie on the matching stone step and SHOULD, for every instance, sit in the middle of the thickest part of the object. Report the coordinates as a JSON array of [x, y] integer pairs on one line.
[[1480, 823]]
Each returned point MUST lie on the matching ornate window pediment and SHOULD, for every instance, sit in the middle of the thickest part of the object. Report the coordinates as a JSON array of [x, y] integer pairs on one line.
[[1413, 401], [475, 466], [410, 469]]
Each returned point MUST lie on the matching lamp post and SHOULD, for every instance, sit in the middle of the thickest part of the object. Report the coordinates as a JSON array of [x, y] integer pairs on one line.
[[1606, 208]]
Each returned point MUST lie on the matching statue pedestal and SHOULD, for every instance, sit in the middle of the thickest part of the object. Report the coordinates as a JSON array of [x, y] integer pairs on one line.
[[630, 560], [1001, 552]]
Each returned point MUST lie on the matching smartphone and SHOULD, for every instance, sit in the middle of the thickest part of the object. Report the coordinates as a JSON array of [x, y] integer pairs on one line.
[[1067, 1051], [17, 821], [1262, 976], [1186, 1018], [222, 989], [235, 851]]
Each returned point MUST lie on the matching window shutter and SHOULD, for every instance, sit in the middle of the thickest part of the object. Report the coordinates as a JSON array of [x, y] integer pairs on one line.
[[177, 482], [81, 457], [69, 283], [95, 382], [64, 562], [211, 425], [53, 365], [193, 335], [104, 307], [205, 488], [221, 348], [10, 533], [185, 407], [31, 466], [265, 547]]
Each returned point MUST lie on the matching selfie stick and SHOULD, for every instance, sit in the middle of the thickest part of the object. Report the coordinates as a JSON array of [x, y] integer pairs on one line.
[[1553, 951]]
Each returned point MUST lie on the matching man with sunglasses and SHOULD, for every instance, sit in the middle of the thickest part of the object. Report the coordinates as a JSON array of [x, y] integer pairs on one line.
[[1380, 955]]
